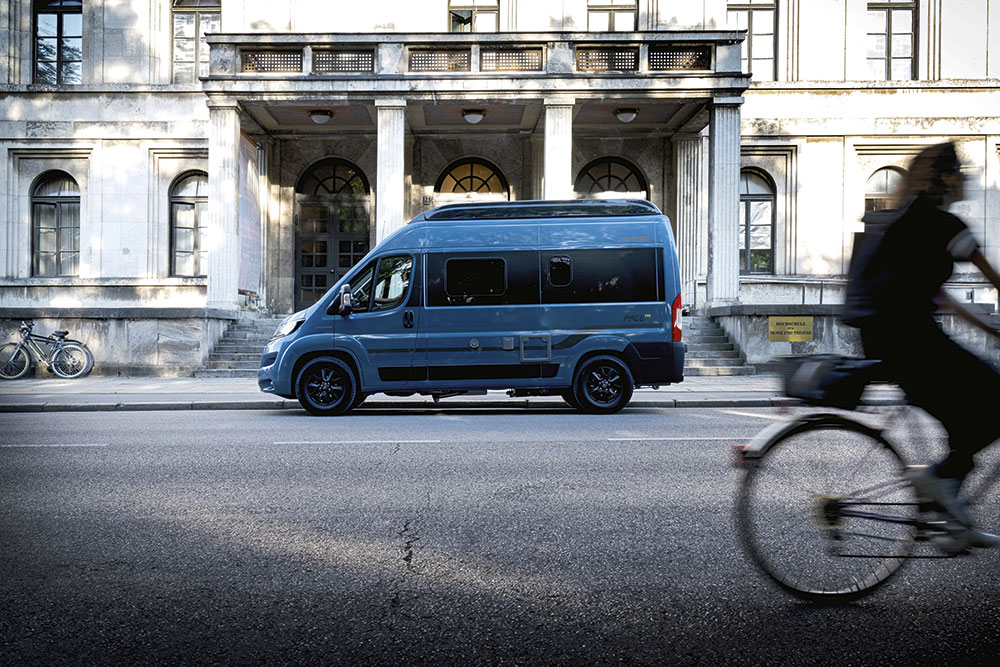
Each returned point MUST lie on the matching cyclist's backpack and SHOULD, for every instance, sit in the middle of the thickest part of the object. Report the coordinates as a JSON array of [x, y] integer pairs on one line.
[[828, 380], [867, 275]]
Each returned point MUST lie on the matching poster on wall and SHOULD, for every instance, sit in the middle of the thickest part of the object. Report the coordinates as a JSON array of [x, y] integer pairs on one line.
[[250, 219]]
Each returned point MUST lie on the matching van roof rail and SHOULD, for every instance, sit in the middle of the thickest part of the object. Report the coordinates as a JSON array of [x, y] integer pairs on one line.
[[573, 208]]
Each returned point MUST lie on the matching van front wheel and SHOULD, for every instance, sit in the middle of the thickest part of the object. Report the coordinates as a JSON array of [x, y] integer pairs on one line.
[[326, 386], [603, 385]]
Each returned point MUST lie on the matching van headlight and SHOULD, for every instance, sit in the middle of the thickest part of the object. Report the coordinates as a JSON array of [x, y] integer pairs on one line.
[[291, 323]]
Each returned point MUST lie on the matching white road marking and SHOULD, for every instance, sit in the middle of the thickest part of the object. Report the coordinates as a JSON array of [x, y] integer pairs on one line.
[[757, 416], [693, 437], [58, 444], [358, 442]]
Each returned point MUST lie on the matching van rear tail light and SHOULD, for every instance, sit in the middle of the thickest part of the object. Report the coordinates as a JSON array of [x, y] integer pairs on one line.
[[675, 317]]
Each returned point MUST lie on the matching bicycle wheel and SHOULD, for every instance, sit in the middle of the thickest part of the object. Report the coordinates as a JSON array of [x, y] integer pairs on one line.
[[70, 361], [14, 361], [823, 509]]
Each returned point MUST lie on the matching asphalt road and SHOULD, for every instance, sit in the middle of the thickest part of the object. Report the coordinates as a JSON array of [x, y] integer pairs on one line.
[[452, 537]]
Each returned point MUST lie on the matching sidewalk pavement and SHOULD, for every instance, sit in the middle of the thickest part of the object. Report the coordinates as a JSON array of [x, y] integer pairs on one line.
[[153, 393]]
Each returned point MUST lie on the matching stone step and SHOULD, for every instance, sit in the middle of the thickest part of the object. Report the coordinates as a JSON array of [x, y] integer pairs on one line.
[[224, 373], [713, 363], [247, 335], [238, 349], [726, 370], [699, 338], [233, 365], [234, 356], [704, 347], [713, 354]]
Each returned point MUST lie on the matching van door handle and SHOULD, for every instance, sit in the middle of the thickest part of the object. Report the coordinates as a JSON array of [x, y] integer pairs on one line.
[[408, 319]]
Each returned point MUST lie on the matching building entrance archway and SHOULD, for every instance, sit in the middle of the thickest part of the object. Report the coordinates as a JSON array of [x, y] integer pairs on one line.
[[332, 226]]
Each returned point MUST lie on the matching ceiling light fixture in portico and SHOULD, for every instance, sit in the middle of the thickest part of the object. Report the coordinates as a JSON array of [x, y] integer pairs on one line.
[[320, 116], [626, 115], [473, 116]]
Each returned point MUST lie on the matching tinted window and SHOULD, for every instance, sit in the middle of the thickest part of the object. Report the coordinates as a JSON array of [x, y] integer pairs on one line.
[[493, 279], [475, 277], [560, 271], [603, 276]]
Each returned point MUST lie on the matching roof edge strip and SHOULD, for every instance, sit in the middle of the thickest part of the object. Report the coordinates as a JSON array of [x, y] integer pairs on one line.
[[525, 210]]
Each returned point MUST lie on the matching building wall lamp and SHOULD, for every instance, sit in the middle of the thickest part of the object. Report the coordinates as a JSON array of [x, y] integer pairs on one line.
[[320, 116], [626, 115], [473, 116]]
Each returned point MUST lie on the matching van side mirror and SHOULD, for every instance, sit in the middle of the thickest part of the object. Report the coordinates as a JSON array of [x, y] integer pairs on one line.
[[345, 304]]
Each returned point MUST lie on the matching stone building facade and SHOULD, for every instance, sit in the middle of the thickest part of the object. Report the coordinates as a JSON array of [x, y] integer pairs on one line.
[[169, 166]]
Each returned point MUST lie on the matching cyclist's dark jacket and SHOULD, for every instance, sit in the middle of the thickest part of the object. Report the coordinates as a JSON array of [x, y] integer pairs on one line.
[[896, 271], [902, 261]]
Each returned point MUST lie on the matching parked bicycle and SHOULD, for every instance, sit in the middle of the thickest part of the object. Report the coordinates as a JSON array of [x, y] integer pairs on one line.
[[65, 357], [823, 507]]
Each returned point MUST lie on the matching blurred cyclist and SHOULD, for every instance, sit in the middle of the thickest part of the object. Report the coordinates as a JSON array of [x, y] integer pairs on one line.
[[895, 286]]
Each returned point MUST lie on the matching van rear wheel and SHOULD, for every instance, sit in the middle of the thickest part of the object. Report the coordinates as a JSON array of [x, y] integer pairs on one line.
[[603, 385], [326, 387]]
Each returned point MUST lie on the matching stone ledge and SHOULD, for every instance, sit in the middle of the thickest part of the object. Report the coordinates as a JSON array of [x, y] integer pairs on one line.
[[823, 309], [119, 313]]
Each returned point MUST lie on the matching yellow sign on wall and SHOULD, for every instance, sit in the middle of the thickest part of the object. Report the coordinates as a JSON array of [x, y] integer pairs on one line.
[[781, 329]]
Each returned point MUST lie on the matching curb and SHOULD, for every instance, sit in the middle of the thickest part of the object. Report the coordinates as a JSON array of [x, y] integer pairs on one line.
[[287, 404]]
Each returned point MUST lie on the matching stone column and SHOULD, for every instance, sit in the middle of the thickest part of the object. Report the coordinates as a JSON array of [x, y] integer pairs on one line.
[[558, 164], [692, 233], [389, 187], [223, 205], [723, 279]]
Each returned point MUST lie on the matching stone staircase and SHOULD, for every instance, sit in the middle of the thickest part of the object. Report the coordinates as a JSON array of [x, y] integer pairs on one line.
[[710, 350], [237, 354]]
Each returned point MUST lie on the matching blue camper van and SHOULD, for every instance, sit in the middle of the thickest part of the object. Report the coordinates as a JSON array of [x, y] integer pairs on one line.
[[579, 299]]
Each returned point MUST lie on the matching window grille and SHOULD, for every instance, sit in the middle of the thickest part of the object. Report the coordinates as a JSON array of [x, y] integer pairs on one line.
[[335, 62], [614, 59], [510, 60], [441, 61], [272, 61], [680, 58]]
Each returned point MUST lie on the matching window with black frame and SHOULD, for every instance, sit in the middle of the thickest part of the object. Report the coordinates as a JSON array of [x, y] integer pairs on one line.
[[58, 28], [188, 224], [757, 215], [474, 16], [55, 221], [891, 40], [612, 15], [192, 20], [760, 19]]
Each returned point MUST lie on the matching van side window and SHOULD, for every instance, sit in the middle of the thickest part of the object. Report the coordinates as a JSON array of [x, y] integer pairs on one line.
[[560, 271], [614, 275], [392, 282], [475, 277], [506, 278], [361, 289]]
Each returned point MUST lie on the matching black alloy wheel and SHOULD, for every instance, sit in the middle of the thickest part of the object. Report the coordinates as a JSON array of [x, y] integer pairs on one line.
[[326, 386], [603, 385]]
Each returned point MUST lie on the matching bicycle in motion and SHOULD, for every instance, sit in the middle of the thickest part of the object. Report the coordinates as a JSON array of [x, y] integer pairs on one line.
[[65, 357], [824, 508]]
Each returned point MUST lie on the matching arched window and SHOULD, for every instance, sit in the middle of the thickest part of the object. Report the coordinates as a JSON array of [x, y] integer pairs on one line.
[[472, 176], [192, 20], [881, 188], [756, 222], [332, 234], [55, 217], [188, 218], [58, 41], [333, 176], [611, 176]]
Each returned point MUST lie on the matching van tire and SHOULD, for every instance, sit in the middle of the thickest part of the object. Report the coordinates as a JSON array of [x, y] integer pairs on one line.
[[567, 395], [603, 385], [326, 386]]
